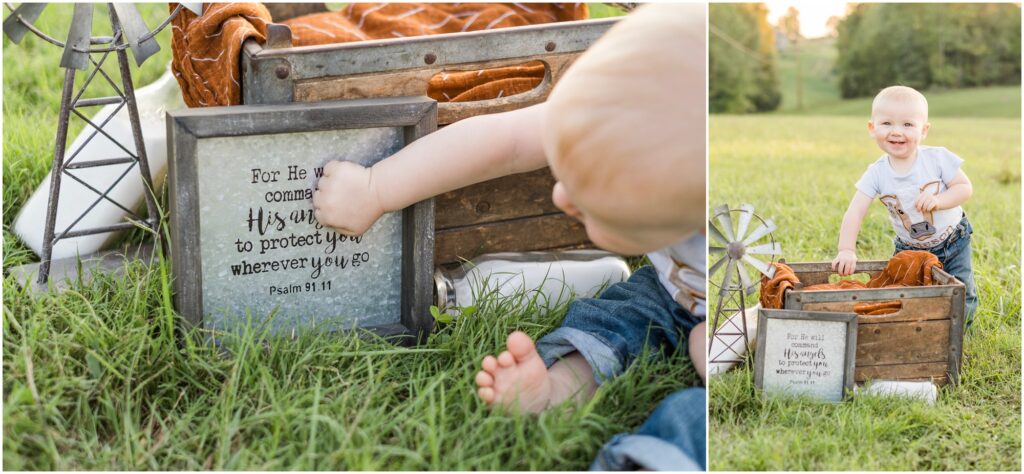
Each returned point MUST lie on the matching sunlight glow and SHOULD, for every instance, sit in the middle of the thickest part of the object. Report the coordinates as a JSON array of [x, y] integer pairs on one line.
[[813, 17]]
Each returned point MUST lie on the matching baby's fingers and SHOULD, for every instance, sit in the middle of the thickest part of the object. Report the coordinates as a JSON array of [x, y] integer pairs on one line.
[[839, 265], [919, 203], [328, 168]]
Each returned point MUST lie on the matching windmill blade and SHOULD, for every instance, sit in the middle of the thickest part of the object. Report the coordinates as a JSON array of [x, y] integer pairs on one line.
[[764, 268], [78, 37], [746, 212], [716, 234], [725, 220], [744, 277], [14, 29], [714, 268], [724, 289], [134, 28], [713, 249], [771, 248], [765, 229]]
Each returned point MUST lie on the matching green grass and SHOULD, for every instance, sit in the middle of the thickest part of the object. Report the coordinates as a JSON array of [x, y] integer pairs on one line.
[[819, 83], [995, 102], [107, 377], [99, 379], [800, 171], [821, 89]]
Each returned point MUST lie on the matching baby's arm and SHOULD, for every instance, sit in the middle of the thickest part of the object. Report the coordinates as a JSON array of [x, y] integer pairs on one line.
[[350, 198], [958, 191], [846, 260]]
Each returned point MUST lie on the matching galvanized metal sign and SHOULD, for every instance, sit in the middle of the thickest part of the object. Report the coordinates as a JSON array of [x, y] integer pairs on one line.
[[805, 353], [246, 247]]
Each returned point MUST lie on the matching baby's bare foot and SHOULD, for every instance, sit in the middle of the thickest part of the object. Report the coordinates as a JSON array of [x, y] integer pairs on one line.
[[517, 379]]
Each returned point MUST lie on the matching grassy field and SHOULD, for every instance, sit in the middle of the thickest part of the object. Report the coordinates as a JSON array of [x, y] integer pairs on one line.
[[819, 83], [821, 89], [996, 101], [800, 171], [105, 377]]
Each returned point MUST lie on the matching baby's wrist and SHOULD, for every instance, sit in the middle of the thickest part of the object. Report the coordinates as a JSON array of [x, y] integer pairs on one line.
[[372, 187]]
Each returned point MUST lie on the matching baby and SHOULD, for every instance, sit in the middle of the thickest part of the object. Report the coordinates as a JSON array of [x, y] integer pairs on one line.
[[624, 134], [921, 186]]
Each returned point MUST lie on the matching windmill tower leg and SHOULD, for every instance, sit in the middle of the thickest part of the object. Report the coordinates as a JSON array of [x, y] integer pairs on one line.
[[153, 214], [55, 174], [743, 325]]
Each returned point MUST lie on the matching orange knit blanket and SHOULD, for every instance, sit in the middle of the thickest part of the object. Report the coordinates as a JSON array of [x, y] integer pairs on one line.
[[206, 48], [906, 268]]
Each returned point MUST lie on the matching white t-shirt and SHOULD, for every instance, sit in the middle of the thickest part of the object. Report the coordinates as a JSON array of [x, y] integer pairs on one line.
[[933, 169], [682, 269]]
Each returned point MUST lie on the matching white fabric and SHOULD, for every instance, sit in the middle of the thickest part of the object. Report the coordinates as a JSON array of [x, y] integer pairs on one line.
[[682, 269], [925, 391], [935, 167]]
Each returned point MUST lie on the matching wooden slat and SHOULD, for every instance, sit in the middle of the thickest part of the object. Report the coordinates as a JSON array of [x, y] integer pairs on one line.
[[934, 371], [816, 273], [817, 278], [903, 343], [410, 82], [510, 197], [800, 268], [914, 309], [414, 82], [525, 234]]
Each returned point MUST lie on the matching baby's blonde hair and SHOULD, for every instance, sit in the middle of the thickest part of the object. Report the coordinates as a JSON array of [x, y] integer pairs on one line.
[[629, 117], [900, 94]]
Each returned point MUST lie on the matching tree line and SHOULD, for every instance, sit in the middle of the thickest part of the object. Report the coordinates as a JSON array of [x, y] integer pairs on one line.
[[928, 45], [741, 59]]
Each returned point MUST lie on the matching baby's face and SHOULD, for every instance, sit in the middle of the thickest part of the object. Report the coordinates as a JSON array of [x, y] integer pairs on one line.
[[617, 222], [899, 127]]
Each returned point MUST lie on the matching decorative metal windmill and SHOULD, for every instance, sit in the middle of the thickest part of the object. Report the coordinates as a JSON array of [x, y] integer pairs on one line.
[[128, 31], [736, 249]]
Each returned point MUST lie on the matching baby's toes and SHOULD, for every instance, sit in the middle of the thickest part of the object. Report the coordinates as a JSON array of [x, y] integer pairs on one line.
[[490, 364], [506, 360], [486, 394], [484, 379]]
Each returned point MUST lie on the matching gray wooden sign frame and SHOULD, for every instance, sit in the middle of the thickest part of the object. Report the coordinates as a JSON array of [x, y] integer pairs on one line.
[[416, 115], [766, 315]]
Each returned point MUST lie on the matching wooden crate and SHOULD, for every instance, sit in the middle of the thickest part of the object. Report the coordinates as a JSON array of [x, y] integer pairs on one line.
[[921, 341], [513, 213]]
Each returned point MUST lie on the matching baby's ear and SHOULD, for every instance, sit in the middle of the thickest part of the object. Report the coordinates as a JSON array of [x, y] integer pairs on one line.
[[871, 126], [924, 130]]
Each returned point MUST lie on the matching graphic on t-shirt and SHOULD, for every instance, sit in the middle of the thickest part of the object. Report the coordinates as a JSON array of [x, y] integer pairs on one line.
[[690, 295], [903, 212], [682, 271]]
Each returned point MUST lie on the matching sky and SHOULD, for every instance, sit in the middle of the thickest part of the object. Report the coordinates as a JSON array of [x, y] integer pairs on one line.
[[813, 14]]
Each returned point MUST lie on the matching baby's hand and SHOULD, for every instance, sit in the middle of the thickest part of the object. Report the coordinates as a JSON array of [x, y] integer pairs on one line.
[[926, 202], [345, 199], [845, 263]]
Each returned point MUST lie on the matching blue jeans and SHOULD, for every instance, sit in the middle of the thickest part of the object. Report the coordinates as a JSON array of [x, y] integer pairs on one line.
[[612, 331], [955, 255], [672, 438]]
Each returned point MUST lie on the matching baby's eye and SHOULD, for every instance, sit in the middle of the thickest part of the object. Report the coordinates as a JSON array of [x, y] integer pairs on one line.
[[886, 123], [908, 124]]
